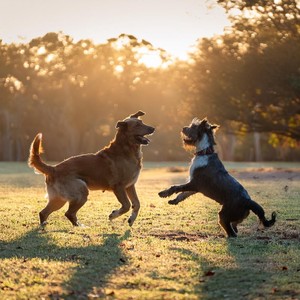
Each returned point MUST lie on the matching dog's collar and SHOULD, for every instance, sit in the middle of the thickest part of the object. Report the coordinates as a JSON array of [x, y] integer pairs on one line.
[[206, 151]]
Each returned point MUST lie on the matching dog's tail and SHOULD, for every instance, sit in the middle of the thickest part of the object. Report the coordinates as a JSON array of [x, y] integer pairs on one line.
[[34, 160], [258, 210]]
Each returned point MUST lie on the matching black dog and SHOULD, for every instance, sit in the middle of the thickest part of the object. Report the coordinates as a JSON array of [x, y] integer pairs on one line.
[[209, 177]]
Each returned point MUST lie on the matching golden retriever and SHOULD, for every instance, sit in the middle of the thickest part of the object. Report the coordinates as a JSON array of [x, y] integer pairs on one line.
[[115, 168]]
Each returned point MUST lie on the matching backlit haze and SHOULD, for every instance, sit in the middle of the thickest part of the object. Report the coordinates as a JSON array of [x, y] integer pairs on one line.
[[173, 25]]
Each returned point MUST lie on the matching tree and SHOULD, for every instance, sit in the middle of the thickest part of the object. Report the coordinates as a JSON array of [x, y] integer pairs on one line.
[[250, 75], [75, 93]]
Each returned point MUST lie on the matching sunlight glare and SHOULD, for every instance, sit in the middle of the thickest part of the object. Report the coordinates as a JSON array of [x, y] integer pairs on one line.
[[151, 61], [49, 57], [119, 69], [150, 58], [41, 50], [121, 42]]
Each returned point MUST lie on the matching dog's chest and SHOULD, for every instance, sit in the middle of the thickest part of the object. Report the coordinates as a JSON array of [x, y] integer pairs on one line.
[[134, 179], [133, 176], [198, 162]]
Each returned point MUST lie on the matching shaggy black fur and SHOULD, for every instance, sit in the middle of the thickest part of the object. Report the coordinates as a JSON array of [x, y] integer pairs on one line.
[[211, 179]]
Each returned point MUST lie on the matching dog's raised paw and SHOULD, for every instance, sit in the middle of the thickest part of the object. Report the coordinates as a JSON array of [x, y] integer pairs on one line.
[[173, 202], [114, 214], [130, 222], [164, 194]]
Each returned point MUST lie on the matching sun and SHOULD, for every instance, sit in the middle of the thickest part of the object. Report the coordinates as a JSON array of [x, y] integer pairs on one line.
[[151, 59]]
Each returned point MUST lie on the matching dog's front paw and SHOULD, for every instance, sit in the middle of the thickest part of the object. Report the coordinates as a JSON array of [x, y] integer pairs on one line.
[[132, 218], [163, 194], [130, 221], [166, 193], [173, 202], [114, 214]]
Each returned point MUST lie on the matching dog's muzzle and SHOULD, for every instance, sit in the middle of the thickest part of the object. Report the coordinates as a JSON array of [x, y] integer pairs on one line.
[[141, 139], [185, 136]]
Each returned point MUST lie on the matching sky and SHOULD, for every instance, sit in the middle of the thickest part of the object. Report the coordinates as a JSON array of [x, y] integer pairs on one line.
[[173, 25]]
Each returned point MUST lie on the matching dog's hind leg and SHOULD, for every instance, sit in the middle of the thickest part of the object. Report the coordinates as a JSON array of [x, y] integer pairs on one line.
[[225, 223], [123, 199], [74, 206], [53, 205], [234, 226], [181, 197], [242, 215], [76, 192], [131, 192]]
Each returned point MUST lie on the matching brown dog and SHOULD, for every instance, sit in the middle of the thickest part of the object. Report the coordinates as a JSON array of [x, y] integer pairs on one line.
[[115, 168]]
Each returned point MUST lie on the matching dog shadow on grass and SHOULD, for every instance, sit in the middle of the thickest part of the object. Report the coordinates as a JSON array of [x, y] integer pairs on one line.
[[244, 278], [215, 282], [94, 263]]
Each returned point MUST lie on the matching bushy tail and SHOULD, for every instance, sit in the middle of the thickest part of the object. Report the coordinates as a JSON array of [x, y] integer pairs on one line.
[[258, 210], [34, 160]]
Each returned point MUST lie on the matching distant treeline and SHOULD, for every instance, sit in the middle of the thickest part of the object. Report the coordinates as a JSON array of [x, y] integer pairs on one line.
[[247, 80]]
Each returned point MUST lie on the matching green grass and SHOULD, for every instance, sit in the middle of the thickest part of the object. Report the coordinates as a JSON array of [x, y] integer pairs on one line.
[[170, 253]]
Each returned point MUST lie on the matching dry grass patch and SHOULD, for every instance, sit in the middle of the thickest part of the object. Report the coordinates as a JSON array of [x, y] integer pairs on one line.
[[170, 253]]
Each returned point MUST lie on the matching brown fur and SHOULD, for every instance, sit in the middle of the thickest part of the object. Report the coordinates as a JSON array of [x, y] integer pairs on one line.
[[115, 168]]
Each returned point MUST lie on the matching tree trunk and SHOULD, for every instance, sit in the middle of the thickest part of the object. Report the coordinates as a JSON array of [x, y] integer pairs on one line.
[[257, 147]]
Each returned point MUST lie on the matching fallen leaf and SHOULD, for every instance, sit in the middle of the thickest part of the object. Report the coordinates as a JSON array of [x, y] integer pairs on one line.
[[110, 293], [209, 273]]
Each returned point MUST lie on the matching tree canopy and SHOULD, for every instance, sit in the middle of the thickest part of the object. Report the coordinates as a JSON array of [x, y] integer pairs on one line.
[[247, 80], [251, 74]]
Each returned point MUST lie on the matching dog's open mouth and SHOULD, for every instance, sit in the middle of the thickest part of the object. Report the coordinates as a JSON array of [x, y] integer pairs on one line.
[[186, 136], [186, 139], [142, 140]]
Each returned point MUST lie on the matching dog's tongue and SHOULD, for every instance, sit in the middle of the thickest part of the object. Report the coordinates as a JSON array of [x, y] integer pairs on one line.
[[146, 141], [187, 140], [143, 140]]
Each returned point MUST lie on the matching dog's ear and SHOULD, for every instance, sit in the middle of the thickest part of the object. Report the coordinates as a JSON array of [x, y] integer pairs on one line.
[[215, 127], [121, 124], [196, 121], [137, 114]]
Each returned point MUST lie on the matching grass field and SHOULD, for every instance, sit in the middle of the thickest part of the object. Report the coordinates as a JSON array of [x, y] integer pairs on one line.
[[170, 253]]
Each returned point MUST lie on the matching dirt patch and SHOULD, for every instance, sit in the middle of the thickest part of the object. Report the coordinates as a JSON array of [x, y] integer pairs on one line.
[[275, 174], [291, 235], [182, 236], [288, 235]]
